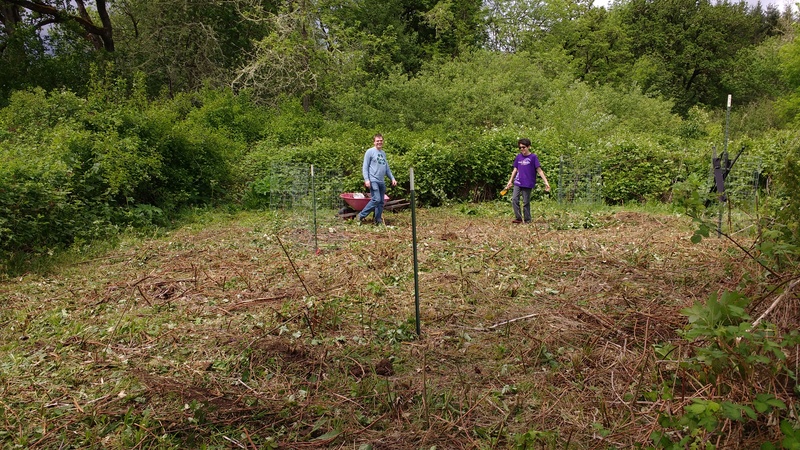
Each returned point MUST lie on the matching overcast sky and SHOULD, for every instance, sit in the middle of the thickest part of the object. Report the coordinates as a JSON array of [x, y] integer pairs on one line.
[[781, 4]]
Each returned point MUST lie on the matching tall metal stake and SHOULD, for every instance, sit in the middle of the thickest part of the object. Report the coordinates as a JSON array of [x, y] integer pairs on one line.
[[414, 245], [560, 179], [724, 164], [314, 206]]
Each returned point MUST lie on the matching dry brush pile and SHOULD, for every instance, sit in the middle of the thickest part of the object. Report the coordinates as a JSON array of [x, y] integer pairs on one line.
[[239, 334]]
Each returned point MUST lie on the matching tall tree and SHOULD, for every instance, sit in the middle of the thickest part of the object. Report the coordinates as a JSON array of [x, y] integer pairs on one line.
[[789, 105], [290, 59], [46, 50], [314, 46], [598, 45], [409, 32], [684, 47], [183, 44], [514, 25]]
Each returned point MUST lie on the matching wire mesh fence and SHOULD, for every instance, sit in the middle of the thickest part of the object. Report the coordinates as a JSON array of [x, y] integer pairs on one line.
[[312, 195], [742, 182], [579, 180], [737, 209], [291, 186]]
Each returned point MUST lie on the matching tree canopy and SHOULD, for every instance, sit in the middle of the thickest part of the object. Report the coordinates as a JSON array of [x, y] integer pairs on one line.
[[692, 52]]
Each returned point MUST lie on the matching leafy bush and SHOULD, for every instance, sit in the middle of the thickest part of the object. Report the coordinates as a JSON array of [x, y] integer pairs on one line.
[[637, 170], [234, 115], [788, 179], [76, 169], [36, 206], [480, 90], [342, 157], [473, 168], [744, 364], [196, 163]]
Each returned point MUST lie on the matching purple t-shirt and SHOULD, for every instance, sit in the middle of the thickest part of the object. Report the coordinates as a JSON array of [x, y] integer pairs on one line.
[[526, 170]]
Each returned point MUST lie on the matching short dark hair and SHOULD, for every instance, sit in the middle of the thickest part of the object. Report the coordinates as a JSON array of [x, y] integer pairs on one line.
[[524, 141], [377, 135]]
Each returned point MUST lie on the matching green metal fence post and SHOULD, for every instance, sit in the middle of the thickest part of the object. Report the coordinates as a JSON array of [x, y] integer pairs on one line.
[[414, 245], [561, 179]]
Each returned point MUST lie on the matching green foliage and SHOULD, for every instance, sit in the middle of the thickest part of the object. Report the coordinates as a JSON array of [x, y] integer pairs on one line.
[[688, 45], [477, 91], [235, 116], [532, 439], [36, 208], [471, 168], [185, 45], [309, 146], [74, 169], [406, 33], [289, 124], [789, 106], [791, 439], [758, 72], [598, 45], [52, 60], [514, 26], [637, 170], [735, 348], [788, 178], [729, 352]]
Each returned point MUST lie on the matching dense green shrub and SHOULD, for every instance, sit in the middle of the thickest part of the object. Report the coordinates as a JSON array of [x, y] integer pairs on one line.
[[232, 115], [474, 168], [75, 169], [37, 209], [339, 156], [787, 209], [196, 162], [637, 170], [478, 91]]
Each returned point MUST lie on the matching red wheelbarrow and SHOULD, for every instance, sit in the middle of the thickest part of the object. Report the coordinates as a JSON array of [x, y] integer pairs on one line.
[[357, 200]]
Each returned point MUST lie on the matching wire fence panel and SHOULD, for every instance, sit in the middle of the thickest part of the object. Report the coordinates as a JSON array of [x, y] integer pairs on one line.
[[579, 180], [291, 185], [741, 196], [742, 182]]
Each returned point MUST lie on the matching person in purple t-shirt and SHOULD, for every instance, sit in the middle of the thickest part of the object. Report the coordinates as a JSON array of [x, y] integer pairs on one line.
[[523, 178]]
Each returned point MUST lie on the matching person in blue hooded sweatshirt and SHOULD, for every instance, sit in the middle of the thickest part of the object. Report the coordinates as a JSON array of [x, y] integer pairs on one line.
[[375, 170]]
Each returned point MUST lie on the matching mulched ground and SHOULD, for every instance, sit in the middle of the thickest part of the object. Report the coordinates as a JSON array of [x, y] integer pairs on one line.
[[546, 329]]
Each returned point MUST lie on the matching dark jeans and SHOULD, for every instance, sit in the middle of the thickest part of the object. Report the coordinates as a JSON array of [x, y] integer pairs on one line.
[[526, 203]]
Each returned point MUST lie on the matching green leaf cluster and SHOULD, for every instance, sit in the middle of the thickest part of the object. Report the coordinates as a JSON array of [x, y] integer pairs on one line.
[[638, 170], [75, 169], [729, 354]]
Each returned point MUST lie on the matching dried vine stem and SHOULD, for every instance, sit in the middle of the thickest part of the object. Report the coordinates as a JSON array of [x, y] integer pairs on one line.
[[299, 277], [776, 302]]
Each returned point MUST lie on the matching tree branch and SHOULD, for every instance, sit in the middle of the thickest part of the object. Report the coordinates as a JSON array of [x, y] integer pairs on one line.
[[84, 20]]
